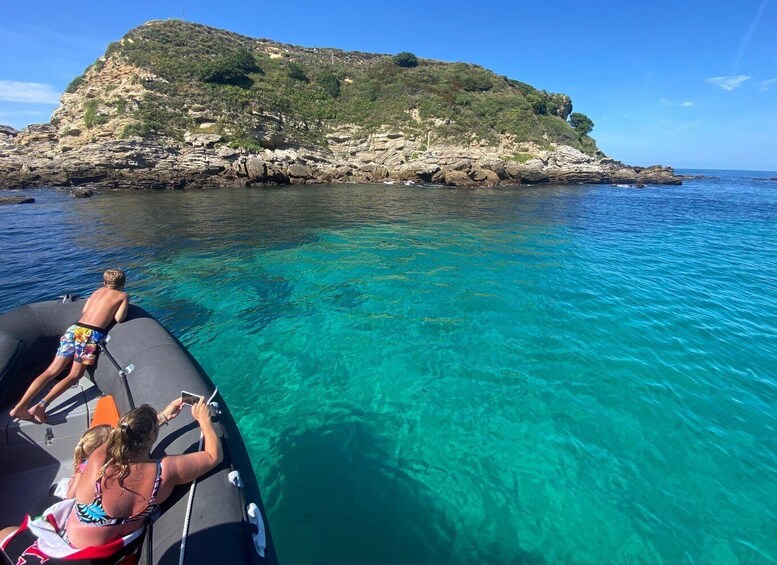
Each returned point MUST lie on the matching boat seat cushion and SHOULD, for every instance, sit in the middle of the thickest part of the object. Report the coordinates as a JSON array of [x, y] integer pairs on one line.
[[105, 412]]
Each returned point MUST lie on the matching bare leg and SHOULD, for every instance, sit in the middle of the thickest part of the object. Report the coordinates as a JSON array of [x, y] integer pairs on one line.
[[39, 410], [5, 532], [56, 367]]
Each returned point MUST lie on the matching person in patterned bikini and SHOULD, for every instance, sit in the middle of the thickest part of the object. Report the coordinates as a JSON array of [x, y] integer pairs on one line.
[[122, 485]]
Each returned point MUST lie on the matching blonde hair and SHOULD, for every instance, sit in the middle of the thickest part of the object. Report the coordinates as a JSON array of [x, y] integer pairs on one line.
[[135, 434], [90, 440], [114, 278]]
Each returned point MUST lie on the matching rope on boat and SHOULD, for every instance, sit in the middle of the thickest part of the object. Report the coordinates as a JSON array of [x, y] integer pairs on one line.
[[190, 503]]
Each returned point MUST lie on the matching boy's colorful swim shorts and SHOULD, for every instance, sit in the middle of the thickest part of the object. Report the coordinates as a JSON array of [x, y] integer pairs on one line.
[[80, 343]]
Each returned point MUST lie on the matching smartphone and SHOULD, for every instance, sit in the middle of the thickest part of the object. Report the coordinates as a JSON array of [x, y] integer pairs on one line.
[[190, 398]]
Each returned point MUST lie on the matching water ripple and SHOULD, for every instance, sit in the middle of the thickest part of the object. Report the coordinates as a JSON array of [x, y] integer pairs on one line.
[[434, 375]]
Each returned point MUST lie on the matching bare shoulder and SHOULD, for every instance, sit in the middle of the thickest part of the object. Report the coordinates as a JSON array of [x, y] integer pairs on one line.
[[99, 292], [171, 466], [115, 298]]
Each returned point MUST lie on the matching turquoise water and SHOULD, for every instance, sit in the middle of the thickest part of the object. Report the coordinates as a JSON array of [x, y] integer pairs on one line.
[[578, 374]]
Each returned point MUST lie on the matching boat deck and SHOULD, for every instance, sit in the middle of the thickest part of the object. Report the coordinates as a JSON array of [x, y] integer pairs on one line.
[[35, 456]]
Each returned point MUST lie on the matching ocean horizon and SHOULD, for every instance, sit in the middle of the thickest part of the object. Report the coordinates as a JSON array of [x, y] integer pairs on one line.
[[700, 170]]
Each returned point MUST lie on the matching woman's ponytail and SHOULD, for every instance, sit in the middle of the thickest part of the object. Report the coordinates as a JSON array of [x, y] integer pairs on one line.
[[136, 432]]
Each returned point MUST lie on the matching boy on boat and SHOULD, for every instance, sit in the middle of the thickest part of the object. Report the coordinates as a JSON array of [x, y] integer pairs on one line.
[[79, 343]]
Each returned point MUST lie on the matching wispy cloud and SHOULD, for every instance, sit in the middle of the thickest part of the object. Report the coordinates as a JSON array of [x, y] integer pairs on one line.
[[745, 43], [730, 82], [34, 92], [767, 83], [684, 104]]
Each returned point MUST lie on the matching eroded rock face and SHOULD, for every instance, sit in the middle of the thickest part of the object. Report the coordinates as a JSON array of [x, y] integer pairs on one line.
[[296, 170], [458, 178], [7, 131], [49, 155]]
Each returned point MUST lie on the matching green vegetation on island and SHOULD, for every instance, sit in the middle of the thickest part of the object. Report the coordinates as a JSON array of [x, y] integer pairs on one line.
[[405, 59], [255, 90]]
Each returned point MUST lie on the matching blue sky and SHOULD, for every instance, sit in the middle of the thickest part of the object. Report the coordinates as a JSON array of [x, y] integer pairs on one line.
[[690, 84]]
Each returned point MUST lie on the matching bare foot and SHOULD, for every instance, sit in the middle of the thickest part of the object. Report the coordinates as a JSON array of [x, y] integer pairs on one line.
[[21, 414], [38, 412]]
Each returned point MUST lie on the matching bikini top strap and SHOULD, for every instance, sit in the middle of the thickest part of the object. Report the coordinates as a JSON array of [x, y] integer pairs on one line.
[[157, 482], [151, 501]]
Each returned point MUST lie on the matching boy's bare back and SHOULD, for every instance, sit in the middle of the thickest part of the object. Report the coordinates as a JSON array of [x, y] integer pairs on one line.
[[104, 306], [79, 345]]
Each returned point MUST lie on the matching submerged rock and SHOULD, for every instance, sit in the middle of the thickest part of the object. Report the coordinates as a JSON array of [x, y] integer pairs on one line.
[[81, 192], [11, 200]]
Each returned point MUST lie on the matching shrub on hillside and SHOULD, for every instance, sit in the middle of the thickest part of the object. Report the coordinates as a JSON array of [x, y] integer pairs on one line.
[[476, 83], [330, 83], [91, 116], [582, 123], [558, 105], [405, 59], [559, 131], [154, 117], [538, 103], [470, 78], [296, 72], [75, 83], [231, 69]]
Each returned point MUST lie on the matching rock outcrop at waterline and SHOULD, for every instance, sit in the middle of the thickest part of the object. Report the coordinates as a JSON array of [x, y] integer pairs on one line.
[[34, 157], [13, 200], [175, 104]]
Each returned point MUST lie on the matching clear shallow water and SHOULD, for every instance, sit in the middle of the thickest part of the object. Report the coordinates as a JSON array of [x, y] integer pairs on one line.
[[425, 375]]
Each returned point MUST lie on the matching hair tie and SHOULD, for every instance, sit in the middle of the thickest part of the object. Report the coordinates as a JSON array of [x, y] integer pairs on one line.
[[125, 426]]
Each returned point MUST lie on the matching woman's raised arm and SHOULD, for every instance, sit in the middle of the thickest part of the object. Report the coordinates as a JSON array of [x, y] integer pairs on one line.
[[187, 467]]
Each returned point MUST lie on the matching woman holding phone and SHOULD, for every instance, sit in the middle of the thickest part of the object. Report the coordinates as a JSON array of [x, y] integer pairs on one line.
[[122, 486]]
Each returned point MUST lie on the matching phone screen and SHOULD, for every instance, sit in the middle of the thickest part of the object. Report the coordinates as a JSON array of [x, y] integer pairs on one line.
[[189, 398]]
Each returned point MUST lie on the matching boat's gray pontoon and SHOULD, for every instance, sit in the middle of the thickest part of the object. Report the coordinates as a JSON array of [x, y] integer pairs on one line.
[[34, 456]]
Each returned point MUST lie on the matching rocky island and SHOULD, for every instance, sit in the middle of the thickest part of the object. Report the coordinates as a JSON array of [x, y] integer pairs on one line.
[[175, 104]]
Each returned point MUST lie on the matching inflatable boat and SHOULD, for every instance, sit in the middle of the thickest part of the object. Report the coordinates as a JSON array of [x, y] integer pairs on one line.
[[220, 518]]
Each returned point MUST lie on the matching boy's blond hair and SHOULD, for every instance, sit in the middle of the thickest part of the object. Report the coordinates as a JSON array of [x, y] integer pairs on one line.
[[114, 278], [90, 440]]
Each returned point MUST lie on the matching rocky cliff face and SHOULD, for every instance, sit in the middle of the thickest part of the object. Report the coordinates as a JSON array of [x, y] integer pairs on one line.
[[38, 156], [125, 124]]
